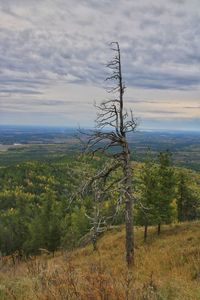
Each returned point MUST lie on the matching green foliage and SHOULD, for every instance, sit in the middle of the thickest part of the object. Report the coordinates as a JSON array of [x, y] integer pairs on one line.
[[166, 187], [157, 190], [148, 210], [36, 210], [45, 229], [188, 202], [34, 199], [75, 226]]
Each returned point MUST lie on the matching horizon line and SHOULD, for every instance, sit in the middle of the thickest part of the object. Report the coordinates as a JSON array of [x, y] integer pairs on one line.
[[91, 128]]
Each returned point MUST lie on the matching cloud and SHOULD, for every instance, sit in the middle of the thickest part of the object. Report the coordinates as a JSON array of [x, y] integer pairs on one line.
[[157, 39], [19, 91], [50, 43]]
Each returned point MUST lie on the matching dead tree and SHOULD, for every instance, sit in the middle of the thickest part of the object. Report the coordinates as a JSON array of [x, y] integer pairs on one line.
[[113, 123], [98, 220]]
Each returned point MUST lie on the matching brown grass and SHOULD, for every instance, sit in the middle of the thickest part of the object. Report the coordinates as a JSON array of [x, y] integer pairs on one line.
[[167, 267]]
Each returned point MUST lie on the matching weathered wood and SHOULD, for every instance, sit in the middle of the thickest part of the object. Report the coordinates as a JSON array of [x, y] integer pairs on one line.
[[111, 114]]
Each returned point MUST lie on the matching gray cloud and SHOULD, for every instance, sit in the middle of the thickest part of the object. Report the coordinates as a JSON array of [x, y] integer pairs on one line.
[[145, 101], [37, 102], [51, 42], [192, 107], [178, 124], [19, 91], [69, 42], [166, 112]]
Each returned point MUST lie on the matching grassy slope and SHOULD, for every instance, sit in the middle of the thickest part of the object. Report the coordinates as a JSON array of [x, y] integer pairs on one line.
[[167, 267]]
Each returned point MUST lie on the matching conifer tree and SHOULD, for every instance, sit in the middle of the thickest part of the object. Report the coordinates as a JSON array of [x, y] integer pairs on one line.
[[165, 188], [187, 201], [148, 208]]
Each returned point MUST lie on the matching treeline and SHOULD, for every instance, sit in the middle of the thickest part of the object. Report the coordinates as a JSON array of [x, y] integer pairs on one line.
[[38, 209], [166, 194]]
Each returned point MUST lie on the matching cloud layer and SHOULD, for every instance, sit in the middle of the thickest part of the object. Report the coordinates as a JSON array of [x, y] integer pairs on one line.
[[53, 55]]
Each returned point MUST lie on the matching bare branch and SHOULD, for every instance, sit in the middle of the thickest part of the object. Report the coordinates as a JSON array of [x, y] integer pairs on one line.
[[110, 138]]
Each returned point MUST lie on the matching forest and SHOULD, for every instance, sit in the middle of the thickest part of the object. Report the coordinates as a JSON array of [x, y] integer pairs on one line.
[[44, 218], [39, 211]]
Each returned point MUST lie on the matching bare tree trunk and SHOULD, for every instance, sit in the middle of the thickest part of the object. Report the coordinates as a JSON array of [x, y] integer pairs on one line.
[[127, 175], [111, 113], [94, 242], [145, 232], [129, 210], [129, 233], [159, 229]]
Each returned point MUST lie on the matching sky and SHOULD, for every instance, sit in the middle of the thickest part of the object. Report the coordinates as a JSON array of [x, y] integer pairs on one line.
[[53, 56]]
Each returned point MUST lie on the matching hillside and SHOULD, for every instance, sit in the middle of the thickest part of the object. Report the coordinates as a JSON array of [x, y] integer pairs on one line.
[[166, 267]]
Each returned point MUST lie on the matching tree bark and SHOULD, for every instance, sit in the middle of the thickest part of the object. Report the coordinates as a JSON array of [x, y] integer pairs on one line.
[[129, 234], [145, 232], [127, 174], [129, 210], [112, 114], [94, 243], [159, 229]]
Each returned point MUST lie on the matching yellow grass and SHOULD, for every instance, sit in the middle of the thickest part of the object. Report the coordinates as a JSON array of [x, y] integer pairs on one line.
[[166, 267]]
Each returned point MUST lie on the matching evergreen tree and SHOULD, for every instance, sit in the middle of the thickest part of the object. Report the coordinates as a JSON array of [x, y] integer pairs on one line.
[[45, 229], [187, 201], [74, 226], [165, 188], [148, 209]]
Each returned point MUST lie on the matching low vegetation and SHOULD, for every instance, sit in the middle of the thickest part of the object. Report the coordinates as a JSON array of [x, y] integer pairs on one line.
[[37, 211], [166, 267]]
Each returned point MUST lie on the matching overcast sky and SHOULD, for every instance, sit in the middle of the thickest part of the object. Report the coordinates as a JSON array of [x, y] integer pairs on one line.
[[53, 55]]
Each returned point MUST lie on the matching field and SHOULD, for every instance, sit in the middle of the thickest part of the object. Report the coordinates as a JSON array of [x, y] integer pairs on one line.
[[27, 143], [166, 267]]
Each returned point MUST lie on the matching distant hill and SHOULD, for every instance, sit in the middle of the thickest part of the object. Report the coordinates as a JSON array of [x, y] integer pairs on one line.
[[25, 143]]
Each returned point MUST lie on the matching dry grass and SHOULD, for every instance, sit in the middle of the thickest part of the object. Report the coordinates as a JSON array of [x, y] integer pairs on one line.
[[167, 267]]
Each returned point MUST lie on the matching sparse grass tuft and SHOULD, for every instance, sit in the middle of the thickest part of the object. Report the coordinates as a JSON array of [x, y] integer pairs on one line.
[[167, 267]]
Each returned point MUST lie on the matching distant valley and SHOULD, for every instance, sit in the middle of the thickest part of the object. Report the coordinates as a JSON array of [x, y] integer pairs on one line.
[[18, 143]]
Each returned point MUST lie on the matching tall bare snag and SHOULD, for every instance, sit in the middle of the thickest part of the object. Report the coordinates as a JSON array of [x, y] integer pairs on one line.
[[113, 123]]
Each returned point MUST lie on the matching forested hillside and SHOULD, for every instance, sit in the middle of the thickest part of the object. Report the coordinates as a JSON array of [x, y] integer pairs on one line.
[[41, 206]]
